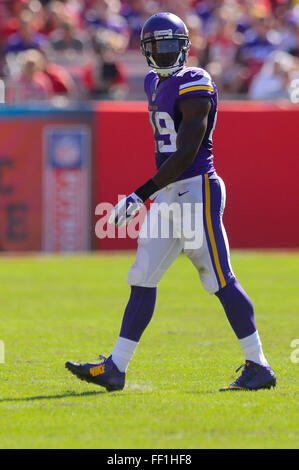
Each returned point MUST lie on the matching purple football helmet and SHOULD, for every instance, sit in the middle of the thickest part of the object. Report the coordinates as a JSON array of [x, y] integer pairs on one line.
[[165, 43]]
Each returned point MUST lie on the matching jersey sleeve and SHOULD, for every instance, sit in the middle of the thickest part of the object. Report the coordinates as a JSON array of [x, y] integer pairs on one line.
[[147, 81], [196, 82], [145, 85]]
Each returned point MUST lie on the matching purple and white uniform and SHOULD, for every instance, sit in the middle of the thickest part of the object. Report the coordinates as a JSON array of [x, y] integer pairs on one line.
[[198, 187], [165, 116]]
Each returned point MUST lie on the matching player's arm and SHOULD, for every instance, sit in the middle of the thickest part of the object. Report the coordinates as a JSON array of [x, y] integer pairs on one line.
[[189, 138], [191, 132]]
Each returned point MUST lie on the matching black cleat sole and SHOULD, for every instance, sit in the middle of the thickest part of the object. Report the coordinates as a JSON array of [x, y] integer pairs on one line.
[[267, 386]]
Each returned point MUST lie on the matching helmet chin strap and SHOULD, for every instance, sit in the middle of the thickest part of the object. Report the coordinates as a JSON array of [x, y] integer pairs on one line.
[[167, 71]]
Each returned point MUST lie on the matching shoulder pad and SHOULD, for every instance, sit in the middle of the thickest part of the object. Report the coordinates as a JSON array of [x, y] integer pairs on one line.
[[195, 79], [148, 78], [193, 73]]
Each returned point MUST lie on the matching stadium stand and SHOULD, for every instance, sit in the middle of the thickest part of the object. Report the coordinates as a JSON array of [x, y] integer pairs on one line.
[[89, 49]]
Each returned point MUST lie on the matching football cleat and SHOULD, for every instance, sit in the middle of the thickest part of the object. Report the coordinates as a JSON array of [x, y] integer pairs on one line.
[[102, 372], [254, 377]]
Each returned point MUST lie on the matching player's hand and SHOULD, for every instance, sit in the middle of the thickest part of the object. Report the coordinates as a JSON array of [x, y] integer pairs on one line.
[[125, 210]]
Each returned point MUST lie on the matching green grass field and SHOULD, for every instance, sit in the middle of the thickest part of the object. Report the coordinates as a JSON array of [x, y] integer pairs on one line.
[[55, 309]]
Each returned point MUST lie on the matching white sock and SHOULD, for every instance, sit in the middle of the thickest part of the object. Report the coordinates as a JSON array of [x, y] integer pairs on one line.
[[123, 352], [252, 349]]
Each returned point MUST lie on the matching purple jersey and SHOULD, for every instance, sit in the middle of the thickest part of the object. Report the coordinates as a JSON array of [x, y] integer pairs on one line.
[[165, 115]]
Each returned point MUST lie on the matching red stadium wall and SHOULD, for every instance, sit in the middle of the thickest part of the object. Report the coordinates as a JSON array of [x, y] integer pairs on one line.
[[124, 157], [20, 187], [22, 174], [256, 150], [256, 153]]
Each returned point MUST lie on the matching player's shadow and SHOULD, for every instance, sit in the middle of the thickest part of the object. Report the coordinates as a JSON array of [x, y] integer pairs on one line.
[[67, 394]]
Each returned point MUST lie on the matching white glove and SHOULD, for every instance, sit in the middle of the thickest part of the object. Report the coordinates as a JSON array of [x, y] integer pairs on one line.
[[125, 210]]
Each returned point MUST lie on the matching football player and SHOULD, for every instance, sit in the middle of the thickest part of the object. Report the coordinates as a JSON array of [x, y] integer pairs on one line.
[[182, 104]]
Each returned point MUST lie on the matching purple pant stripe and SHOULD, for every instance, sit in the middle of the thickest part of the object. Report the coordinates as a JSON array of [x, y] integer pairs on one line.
[[215, 206], [206, 230]]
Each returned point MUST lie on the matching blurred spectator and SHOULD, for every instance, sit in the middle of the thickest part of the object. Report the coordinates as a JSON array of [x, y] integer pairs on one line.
[[136, 13], [26, 36], [82, 41], [258, 45], [205, 10], [32, 84], [181, 8], [293, 39], [105, 14], [273, 81], [222, 50], [52, 17], [61, 81], [105, 77], [69, 39], [198, 51]]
